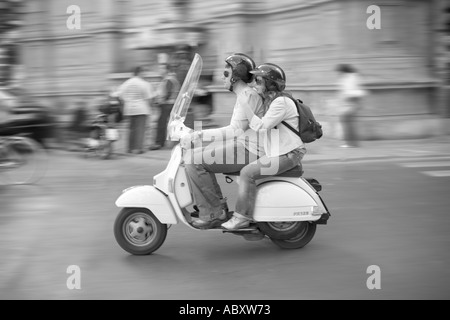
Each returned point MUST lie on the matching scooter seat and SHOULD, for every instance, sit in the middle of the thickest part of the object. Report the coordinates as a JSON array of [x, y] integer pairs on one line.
[[295, 172]]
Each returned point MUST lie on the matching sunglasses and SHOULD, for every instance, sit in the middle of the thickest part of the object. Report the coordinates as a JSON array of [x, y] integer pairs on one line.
[[226, 74]]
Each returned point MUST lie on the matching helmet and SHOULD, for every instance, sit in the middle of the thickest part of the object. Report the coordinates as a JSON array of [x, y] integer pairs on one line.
[[241, 65], [272, 72]]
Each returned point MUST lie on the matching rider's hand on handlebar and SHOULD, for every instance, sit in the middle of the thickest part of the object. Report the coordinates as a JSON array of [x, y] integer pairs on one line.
[[187, 140]]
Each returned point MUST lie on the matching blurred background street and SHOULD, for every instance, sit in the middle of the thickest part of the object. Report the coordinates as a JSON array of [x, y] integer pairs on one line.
[[64, 55], [62, 62]]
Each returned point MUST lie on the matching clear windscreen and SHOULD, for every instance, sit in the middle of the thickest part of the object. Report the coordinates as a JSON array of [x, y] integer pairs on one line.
[[184, 98]]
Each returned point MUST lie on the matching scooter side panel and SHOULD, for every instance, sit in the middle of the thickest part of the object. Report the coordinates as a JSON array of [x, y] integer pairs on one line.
[[181, 188], [151, 198], [291, 203], [173, 182]]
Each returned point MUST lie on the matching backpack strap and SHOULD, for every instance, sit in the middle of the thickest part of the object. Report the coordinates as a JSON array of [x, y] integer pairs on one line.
[[289, 126]]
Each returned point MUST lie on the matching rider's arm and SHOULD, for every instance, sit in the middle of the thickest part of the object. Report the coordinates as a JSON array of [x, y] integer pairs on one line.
[[239, 122], [273, 117]]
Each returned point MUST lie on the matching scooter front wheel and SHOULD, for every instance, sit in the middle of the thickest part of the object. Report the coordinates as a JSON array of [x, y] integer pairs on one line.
[[138, 231], [303, 237]]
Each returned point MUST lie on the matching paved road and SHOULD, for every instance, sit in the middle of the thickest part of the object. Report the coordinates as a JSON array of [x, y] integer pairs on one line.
[[387, 212]]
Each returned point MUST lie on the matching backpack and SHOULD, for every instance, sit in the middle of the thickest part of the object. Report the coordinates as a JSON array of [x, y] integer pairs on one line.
[[310, 129]]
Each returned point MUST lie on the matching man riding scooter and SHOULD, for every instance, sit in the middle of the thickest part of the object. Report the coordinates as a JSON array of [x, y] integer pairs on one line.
[[287, 209], [232, 141]]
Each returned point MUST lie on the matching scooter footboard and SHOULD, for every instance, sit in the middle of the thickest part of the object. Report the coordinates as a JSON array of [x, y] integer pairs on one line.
[[151, 198], [282, 201]]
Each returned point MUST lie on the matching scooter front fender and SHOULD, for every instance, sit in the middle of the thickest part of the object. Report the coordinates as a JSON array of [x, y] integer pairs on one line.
[[151, 198]]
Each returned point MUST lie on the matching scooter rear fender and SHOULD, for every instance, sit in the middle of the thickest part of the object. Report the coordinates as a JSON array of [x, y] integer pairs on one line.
[[151, 198], [287, 199]]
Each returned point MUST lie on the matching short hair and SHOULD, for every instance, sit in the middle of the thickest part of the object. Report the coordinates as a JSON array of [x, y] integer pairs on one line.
[[138, 70], [345, 68]]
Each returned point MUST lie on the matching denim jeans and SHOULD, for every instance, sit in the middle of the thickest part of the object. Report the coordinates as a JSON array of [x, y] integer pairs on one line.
[[245, 204], [201, 166]]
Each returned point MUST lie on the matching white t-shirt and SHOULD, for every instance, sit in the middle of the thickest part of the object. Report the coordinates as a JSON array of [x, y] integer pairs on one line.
[[136, 92], [281, 140], [239, 125], [350, 86]]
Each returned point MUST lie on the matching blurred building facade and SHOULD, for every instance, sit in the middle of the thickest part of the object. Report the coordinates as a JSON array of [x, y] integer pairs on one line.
[[404, 64]]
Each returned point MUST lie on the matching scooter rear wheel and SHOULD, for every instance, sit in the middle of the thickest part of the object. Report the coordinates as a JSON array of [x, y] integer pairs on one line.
[[281, 230], [300, 240], [138, 231]]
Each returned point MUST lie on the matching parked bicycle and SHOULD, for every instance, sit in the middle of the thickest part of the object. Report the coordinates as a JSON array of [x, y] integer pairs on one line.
[[22, 160]]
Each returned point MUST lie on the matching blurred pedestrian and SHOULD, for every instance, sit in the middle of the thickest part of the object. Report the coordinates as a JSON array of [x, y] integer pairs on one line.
[[112, 106], [6, 104], [79, 123], [137, 94], [167, 94], [350, 103]]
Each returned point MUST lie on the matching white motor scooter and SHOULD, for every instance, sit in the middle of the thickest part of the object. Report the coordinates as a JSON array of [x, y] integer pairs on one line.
[[288, 207]]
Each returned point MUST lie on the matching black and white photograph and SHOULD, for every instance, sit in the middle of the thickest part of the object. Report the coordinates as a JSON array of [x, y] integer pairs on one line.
[[224, 156]]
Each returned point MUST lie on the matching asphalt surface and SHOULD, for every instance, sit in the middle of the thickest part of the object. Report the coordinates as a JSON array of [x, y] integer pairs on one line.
[[389, 210]]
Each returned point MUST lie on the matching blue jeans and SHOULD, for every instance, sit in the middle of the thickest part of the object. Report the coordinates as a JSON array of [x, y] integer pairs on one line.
[[245, 204], [201, 168]]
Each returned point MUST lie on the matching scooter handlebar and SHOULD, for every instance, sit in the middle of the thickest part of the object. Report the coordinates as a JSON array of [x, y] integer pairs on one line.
[[177, 130]]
